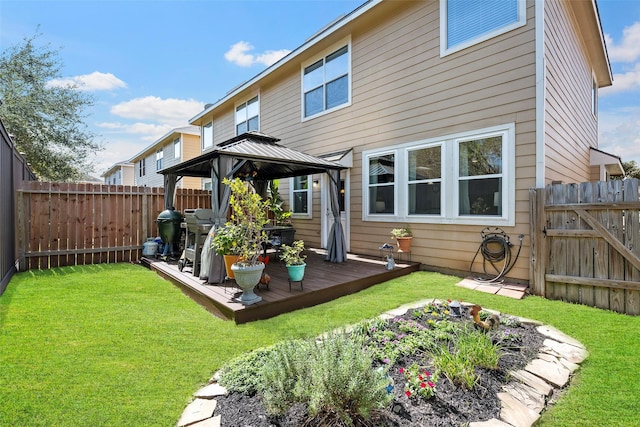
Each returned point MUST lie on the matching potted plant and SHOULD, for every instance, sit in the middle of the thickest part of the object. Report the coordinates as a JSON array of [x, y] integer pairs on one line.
[[249, 214], [226, 243], [294, 260], [281, 216], [403, 236]]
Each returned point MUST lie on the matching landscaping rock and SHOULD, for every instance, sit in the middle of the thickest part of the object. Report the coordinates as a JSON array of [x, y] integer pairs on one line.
[[552, 372], [570, 352], [560, 336], [210, 391], [198, 410], [515, 412]]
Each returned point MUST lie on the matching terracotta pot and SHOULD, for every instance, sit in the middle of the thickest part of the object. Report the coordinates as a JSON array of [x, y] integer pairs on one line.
[[404, 244], [229, 260]]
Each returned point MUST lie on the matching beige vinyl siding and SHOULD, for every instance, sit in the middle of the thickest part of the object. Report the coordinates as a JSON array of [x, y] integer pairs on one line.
[[571, 128], [402, 91]]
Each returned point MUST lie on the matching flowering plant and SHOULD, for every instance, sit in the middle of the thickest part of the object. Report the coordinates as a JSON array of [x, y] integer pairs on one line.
[[418, 382], [227, 239]]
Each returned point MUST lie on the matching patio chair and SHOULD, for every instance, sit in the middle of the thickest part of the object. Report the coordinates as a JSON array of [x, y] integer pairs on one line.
[[283, 237]]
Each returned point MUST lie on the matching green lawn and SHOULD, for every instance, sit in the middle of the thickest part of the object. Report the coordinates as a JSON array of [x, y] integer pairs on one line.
[[115, 345]]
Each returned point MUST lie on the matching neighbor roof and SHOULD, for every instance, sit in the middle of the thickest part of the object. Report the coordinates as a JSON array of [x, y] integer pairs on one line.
[[263, 159]]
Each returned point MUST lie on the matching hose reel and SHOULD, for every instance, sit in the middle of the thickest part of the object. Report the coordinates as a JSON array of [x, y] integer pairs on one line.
[[496, 250]]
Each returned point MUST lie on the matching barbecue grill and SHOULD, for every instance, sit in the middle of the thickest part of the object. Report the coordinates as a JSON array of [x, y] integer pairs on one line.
[[197, 223]]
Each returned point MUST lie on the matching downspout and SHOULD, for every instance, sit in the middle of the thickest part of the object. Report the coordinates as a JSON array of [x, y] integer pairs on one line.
[[541, 90]]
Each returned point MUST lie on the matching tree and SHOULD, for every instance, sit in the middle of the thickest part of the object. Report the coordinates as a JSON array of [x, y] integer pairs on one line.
[[631, 169], [45, 121]]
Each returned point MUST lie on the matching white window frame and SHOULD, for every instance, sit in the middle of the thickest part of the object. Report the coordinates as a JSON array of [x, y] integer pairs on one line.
[[444, 23], [207, 142], [309, 191], [594, 96], [244, 107], [449, 180], [335, 47], [366, 160], [177, 148], [432, 180], [159, 159]]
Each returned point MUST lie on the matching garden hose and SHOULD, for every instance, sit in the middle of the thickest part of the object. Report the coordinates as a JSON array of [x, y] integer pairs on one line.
[[496, 249]]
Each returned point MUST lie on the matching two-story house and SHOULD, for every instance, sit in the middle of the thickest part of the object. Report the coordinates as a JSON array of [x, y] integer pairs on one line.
[[121, 173], [174, 147], [446, 113]]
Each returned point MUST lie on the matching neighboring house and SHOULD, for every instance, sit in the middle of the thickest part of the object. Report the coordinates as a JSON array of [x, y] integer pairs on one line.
[[176, 146], [119, 174], [446, 111]]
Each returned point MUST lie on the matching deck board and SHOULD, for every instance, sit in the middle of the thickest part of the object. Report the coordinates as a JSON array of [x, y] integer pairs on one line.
[[323, 282]]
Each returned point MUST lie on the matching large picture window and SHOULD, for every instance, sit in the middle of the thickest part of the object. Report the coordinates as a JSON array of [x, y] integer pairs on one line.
[[465, 23], [300, 196], [326, 83], [466, 178], [248, 116]]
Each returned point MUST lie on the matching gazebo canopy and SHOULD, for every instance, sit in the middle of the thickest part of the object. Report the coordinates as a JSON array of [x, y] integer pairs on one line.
[[259, 156]]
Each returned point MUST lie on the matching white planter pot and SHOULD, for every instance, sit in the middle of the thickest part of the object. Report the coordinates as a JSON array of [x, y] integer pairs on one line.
[[247, 278]]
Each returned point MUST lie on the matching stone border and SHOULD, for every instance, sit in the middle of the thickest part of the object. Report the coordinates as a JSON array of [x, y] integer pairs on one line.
[[523, 398]]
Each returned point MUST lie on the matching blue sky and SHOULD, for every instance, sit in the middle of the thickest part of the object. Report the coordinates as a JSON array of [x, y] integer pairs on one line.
[[152, 65]]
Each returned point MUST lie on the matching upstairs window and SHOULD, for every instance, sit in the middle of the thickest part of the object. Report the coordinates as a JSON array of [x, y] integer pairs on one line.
[[326, 83], [248, 116], [177, 149], [142, 167], [594, 97], [207, 136], [464, 23], [159, 157]]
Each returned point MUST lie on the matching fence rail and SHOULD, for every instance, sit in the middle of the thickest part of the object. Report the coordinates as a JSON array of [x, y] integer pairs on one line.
[[586, 244], [63, 224]]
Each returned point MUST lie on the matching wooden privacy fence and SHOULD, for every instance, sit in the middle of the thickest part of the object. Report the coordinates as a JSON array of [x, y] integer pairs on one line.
[[585, 244], [72, 224]]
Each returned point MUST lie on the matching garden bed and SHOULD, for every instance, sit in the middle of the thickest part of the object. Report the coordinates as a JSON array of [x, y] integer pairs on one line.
[[409, 341]]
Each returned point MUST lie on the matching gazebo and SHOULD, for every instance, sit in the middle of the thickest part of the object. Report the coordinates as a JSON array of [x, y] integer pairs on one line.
[[256, 157]]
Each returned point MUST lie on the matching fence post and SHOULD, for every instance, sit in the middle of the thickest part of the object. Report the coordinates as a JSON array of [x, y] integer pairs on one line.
[[538, 259]]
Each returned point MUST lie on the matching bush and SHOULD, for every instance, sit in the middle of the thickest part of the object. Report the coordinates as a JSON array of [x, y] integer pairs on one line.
[[335, 376]]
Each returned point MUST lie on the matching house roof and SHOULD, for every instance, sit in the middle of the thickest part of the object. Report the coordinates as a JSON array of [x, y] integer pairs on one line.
[[259, 156], [590, 27], [611, 162], [115, 167], [310, 42], [160, 142]]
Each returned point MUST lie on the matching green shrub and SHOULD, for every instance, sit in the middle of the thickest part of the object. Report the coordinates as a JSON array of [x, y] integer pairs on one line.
[[334, 376], [244, 373]]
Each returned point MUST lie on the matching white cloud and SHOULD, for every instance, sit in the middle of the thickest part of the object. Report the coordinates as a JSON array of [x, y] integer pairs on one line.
[[93, 82], [238, 54], [629, 48], [148, 131], [624, 82], [170, 112], [619, 133]]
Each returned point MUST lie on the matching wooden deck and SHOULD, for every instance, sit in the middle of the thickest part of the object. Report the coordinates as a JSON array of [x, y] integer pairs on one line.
[[323, 281]]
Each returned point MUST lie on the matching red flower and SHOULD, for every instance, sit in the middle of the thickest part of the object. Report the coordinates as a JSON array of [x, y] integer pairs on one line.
[[448, 300], [408, 393], [401, 370], [423, 385], [432, 385]]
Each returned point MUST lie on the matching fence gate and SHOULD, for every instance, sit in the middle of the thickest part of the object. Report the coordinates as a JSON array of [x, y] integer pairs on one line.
[[586, 244]]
